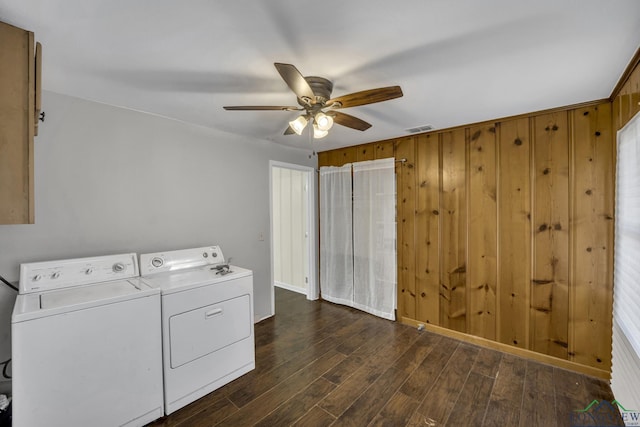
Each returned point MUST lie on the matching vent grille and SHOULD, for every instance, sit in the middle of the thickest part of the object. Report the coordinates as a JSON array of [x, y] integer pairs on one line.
[[418, 129]]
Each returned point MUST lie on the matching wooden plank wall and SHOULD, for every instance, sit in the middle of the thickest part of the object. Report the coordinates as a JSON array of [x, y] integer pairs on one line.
[[505, 229], [626, 101]]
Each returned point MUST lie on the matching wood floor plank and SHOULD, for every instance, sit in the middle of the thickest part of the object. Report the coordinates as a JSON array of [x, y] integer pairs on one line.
[[298, 405], [396, 412], [356, 359], [575, 392], [538, 401], [259, 383], [472, 402], [367, 406], [506, 398], [487, 362], [270, 400], [341, 398], [316, 417], [423, 378], [441, 398]]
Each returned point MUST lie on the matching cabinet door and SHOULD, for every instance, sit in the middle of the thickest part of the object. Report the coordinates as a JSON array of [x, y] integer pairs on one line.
[[17, 112]]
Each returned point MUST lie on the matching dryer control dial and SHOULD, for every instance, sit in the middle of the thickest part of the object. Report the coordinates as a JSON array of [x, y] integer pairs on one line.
[[157, 262]]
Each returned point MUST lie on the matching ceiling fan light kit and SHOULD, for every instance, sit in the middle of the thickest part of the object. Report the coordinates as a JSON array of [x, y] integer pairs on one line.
[[314, 95], [319, 133], [298, 124], [323, 121]]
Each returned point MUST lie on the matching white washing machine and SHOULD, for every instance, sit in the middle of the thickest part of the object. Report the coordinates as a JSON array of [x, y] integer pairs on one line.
[[207, 321], [86, 344]]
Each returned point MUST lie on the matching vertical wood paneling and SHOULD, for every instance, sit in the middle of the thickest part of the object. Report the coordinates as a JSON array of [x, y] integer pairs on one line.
[[550, 281], [634, 87], [365, 152], [625, 104], [453, 267], [427, 245], [514, 232], [341, 156], [324, 158], [494, 227], [593, 197], [482, 223], [383, 150], [406, 205]]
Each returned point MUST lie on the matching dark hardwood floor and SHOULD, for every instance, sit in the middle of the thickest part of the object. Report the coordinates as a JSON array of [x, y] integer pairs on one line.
[[320, 364]]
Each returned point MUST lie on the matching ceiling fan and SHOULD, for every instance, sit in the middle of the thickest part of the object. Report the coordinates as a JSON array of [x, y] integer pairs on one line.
[[314, 99]]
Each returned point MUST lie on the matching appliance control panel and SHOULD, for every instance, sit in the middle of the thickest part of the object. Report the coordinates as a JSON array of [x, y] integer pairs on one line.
[[50, 275], [161, 262]]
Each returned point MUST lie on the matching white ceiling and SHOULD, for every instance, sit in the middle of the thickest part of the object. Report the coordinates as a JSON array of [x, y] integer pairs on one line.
[[457, 61]]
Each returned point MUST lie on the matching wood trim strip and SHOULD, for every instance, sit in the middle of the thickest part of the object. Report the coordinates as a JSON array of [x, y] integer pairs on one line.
[[486, 122], [31, 128], [486, 343], [635, 61]]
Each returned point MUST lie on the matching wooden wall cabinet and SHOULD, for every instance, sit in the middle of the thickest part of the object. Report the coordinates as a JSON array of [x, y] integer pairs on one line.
[[18, 121]]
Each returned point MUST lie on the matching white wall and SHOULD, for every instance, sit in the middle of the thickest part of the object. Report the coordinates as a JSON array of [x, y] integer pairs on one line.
[[111, 180]]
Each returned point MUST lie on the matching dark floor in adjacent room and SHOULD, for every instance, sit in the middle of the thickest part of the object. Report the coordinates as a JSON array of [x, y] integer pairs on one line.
[[320, 364]]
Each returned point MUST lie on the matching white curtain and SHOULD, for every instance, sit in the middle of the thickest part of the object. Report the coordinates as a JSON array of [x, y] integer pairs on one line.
[[358, 236], [374, 237], [625, 369], [336, 244]]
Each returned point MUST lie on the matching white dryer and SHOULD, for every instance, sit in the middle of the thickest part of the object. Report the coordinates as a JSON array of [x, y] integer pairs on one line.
[[207, 321], [86, 345]]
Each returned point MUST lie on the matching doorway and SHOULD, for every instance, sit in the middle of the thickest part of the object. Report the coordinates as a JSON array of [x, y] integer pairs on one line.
[[293, 229]]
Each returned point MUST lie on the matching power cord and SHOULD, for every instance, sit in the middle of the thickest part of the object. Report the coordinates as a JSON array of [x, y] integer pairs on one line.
[[6, 282], [5, 369]]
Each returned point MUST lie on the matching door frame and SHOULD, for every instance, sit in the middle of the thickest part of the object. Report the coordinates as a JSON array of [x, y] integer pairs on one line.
[[313, 291]]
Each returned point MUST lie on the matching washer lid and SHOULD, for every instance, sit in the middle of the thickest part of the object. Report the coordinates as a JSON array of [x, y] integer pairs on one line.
[[84, 294], [35, 305]]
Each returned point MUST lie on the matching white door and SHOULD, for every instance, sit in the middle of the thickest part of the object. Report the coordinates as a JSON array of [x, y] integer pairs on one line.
[[293, 228]]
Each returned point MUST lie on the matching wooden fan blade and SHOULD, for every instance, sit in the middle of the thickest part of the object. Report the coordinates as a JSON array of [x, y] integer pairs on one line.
[[364, 97], [289, 131], [295, 81], [261, 108], [349, 121]]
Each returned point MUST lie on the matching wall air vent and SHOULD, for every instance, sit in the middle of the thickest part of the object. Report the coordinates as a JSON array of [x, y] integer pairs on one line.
[[418, 129]]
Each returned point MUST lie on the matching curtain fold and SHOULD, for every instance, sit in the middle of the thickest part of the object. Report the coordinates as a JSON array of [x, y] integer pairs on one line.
[[358, 236], [374, 237], [336, 244]]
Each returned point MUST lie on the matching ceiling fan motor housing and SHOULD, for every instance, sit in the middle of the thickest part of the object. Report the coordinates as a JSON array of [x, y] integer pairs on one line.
[[321, 88]]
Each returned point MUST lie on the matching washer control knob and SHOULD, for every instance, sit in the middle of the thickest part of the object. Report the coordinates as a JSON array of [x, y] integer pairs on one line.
[[118, 267], [214, 254], [55, 275], [157, 262], [204, 255], [37, 277], [88, 271]]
